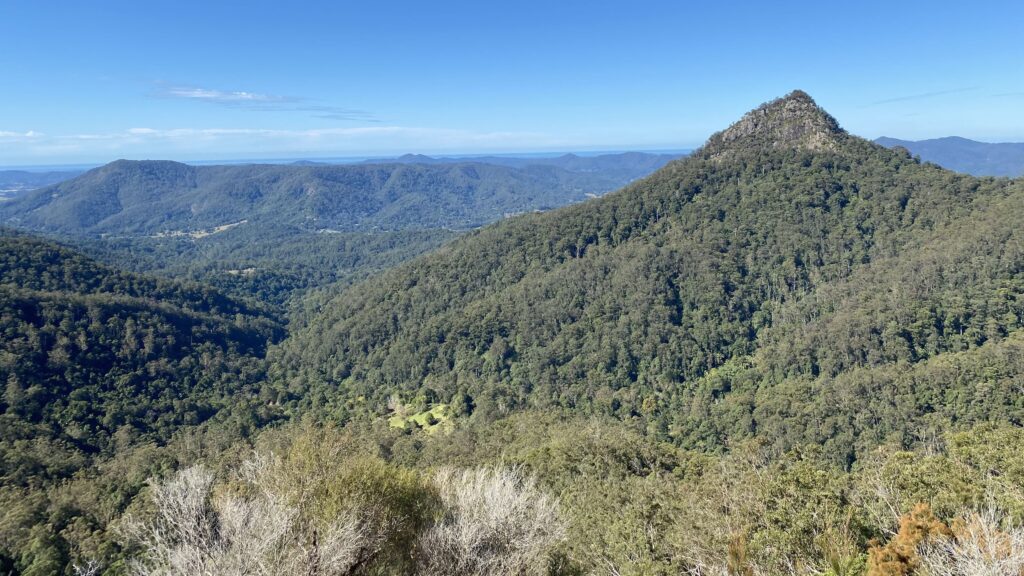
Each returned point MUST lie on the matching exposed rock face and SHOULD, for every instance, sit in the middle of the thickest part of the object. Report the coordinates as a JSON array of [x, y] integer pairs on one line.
[[791, 121]]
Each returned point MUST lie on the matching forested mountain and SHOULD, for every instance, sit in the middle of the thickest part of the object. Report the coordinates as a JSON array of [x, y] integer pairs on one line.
[[274, 232], [968, 156], [159, 197], [788, 281]]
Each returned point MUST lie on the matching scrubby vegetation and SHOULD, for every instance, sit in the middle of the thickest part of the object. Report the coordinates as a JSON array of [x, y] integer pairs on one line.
[[538, 493]]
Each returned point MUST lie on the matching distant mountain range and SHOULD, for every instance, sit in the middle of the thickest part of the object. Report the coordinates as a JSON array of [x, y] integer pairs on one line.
[[968, 156], [624, 164], [273, 230], [16, 182], [162, 197]]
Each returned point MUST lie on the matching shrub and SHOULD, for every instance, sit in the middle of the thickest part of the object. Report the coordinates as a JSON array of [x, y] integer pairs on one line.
[[496, 523], [981, 545]]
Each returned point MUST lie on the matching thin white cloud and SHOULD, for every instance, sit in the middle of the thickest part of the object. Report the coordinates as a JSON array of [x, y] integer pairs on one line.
[[10, 135], [438, 134], [258, 102], [921, 96], [87, 137], [221, 96]]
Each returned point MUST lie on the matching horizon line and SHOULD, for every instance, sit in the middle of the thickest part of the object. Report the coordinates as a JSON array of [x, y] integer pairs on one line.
[[349, 159]]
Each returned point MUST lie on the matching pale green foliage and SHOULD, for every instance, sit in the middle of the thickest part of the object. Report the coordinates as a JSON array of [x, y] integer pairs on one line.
[[983, 544], [496, 522], [197, 532]]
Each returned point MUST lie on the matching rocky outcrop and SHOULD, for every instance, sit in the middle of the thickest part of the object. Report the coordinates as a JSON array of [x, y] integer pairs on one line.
[[793, 121]]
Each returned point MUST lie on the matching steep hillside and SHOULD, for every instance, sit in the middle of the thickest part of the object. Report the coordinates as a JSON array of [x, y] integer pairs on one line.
[[160, 197], [92, 357], [99, 369], [777, 280], [968, 156]]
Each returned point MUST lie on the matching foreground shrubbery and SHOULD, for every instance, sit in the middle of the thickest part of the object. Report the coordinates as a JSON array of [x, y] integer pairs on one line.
[[376, 500], [316, 512], [535, 495]]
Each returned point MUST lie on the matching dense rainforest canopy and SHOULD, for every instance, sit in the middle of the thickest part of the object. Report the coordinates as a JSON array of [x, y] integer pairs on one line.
[[793, 352], [789, 281]]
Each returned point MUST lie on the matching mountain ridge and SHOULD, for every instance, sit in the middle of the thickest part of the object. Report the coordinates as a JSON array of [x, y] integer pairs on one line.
[[626, 163], [966, 155], [149, 197], [641, 303]]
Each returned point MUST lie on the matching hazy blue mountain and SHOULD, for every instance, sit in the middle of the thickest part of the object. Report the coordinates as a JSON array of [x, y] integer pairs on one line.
[[625, 165], [968, 156], [16, 182]]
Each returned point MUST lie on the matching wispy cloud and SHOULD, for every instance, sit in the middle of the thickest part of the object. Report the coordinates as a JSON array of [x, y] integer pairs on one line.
[[397, 134], [222, 97], [921, 96], [259, 102], [9, 135]]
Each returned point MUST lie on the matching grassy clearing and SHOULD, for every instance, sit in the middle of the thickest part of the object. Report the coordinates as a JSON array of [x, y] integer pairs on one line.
[[429, 420]]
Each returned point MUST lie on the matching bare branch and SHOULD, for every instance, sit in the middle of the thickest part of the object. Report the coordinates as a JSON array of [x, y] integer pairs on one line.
[[497, 523]]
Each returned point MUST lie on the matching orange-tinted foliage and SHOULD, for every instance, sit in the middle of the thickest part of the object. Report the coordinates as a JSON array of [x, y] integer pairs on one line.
[[898, 557]]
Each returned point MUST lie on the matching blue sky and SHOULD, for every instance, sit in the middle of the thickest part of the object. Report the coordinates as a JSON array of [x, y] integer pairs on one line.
[[94, 81]]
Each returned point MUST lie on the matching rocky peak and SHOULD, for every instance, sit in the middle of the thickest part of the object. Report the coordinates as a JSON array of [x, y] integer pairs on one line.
[[793, 121]]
